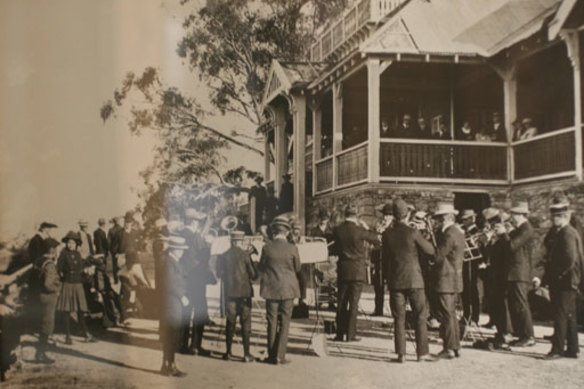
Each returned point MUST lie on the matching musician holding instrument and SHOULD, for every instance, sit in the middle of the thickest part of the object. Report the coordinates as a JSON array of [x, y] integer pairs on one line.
[[378, 275], [518, 273], [400, 246], [448, 273], [470, 268]]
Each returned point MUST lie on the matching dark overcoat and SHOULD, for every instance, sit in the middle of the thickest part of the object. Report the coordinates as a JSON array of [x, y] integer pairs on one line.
[[350, 246], [519, 243], [563, 269], [449, 257], [100, 242], [173, 289], [49, 291], [278, 266], [237, 271]]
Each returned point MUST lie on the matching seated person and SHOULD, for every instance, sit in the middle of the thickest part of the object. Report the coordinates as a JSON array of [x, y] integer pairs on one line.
[[529, 130], [424, 131], [466, 132]]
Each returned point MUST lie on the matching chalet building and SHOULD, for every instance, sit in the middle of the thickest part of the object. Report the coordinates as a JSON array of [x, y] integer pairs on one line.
[[479, 102]]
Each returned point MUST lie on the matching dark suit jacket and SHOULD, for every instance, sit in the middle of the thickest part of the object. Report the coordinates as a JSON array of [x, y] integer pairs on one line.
[[399, 245], [349, 245], [173, 289], [278, 266], [114, 236], [237, 271], [100, 241], [449, 256], [317, 232], [563, 269], [129, 247], [498, 135], [286, 203], [36, 248], [519, 244]]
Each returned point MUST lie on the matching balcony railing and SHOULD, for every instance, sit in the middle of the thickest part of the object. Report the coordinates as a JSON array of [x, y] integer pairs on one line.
[[546, 156], [324, 174], [352, 21], [432, 161], [352, 165]]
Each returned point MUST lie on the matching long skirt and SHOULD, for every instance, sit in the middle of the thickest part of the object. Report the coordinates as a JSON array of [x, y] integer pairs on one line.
[[72, 298]]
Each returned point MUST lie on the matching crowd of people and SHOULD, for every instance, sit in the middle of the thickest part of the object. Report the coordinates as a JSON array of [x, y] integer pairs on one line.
[[425, 260]]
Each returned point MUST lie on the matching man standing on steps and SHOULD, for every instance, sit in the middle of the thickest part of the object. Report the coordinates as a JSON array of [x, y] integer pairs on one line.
[[349, 238]]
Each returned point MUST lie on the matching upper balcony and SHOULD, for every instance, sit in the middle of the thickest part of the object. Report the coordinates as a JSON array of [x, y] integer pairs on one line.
[[351, 27]]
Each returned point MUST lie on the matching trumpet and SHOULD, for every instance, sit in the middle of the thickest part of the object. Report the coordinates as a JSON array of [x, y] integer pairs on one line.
[[229, 223], [430, 229]]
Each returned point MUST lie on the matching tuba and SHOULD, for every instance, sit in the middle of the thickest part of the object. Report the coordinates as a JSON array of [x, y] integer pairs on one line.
[[229, 223]]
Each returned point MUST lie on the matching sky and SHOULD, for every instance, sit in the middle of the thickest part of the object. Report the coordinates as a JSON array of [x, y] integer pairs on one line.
[[59, 61]]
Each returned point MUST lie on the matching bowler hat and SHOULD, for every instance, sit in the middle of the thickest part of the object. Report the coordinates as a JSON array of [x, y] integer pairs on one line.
[[467, 213], [445, 209], [72, 235], [47, 225], [520, 207], [177, 242]]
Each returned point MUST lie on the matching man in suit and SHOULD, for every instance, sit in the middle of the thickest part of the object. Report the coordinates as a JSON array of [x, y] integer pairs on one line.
[[114, 238], [470, 271], [286, 203], [86, 248], [518, 244], [497, 131], [36, 246], [448, 273], [258, 192], [405, 129], [400, 245], [378, 277], [100, 238], [563, 273], [278, 267], [349, 238], [237, 271]]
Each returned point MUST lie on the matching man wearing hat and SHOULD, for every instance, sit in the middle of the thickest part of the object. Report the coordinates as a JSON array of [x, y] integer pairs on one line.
[[278, 268], [36, 246], [518, 272], [470, 271], [86, 248], [378, 276], [174, 300], [401, 244], [258, 194], [563, 273], [448, 277], [349, 238], [114, 238], [237, 271], [286, 203]]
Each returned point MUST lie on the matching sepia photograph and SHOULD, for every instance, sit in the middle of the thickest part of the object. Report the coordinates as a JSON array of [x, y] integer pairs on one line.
[[262, 194]]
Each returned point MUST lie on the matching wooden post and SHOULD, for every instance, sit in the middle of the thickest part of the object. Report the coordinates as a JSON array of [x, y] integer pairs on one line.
[[573, 44], [316, 142], [373, 102], [299, 119], [281, 148], [337, 127], [267, 162]]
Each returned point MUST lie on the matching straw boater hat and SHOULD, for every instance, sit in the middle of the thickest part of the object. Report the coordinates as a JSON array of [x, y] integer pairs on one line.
[[467, 213], [420, 216], [445, 209], [281, 221], [236, 235], [177, 243], [560, 206], [490, 213], [72, 235], [520, 207]]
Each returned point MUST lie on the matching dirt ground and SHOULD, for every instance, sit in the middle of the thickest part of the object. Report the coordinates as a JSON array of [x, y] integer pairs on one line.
[[131, 358]]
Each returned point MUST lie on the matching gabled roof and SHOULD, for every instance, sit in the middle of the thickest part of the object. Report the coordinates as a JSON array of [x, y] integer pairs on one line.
[[567, 8], [284, 76]]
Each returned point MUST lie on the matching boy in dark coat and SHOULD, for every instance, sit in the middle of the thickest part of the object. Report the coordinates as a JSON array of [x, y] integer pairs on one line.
[[49, 290], [237, 272]]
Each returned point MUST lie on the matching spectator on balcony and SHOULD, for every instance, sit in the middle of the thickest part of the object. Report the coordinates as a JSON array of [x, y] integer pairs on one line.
[[528, 129], [286, 203], [354, 137], [517, 130], [442, 133], [497, 131], [385, 131], [326, 145], [424, 132], [466, 132], [405, 129]]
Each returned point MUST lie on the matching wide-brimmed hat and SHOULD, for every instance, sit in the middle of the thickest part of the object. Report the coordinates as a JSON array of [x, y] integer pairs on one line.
[[72, 235], [520, 207], [236, 235], [490, 213], [445, 209], [47, 225], [50, 243], [281, 221], [400, 209], [191, 213], [467, 213], [177, 242]]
